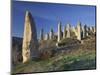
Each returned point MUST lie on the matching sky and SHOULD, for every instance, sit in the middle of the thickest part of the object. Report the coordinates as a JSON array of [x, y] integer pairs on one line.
[[47, 16]]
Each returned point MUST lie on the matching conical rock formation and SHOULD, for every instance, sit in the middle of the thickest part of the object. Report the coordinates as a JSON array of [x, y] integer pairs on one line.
[[30, 42]]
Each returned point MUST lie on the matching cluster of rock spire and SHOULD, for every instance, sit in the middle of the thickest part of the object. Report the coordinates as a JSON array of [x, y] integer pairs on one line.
[[80, 32], [30, 42]]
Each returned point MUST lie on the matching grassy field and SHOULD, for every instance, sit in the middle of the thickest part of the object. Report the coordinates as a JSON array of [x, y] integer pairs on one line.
[[80, 57]]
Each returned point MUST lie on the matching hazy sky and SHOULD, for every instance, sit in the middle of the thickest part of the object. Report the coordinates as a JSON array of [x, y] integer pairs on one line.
[[47, 15]]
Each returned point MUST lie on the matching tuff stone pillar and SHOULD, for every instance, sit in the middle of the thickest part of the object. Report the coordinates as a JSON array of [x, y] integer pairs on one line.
[[51, 34], [30, 42], [79, 31], [87, 31], [84, 31], [68, 31], [74, 30], [91, 29], [47, 36], [59, 32]]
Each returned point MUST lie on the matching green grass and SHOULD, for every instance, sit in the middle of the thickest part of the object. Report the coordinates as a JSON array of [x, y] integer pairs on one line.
[[62, 62]]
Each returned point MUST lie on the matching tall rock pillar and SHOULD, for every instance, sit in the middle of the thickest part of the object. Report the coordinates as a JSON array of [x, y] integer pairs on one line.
[[46, 37], [79, 31], [51, 34], [68, 30], [84, 31], [59, 32], [30, 42]]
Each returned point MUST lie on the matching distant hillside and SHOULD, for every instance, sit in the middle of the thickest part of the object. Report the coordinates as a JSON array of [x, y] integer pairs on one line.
[[16, 50], [16, 40]]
